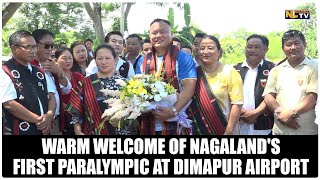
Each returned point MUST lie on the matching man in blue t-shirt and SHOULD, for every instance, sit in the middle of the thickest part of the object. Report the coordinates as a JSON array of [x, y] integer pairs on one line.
[[180, 71]]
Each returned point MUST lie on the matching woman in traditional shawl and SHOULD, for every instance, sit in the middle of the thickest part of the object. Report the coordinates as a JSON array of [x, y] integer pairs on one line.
[[64, 60], [218, 97], [86, 103]]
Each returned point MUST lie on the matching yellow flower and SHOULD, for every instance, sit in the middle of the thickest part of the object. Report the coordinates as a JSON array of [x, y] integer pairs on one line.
[[170, 89]]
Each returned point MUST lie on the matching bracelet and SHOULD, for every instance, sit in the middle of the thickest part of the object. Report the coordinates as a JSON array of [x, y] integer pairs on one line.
[[175, 111]]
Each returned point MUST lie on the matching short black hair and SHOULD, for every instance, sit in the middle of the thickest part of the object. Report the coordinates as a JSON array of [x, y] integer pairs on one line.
[[61, 44], [264, 39], [59, 51], [88, 40], [188, 47], [146, 40], [107, 37], [160, 20], [38, 34], [198, 35], [74, 44], [106, 46], [176, 39], [135, 36], [292, 33], [16, 37]]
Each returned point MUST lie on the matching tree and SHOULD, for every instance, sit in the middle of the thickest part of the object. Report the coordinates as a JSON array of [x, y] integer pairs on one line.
[[275, 52], [125, 15], [309, 28], [187, 14], [94, 12], [8, 12], [52, 16]]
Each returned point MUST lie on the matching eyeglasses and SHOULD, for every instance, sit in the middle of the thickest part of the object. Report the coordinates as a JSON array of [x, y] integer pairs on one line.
[[47, 46], [291, 33], [27, 48]]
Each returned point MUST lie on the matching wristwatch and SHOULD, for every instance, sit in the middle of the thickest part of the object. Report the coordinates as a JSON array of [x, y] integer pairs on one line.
[[175, 111]]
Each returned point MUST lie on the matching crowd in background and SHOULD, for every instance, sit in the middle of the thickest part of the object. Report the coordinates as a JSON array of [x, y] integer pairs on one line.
[[56, 90]]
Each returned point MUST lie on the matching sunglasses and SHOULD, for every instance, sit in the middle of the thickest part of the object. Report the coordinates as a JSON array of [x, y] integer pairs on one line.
[[291, 33], [47, 46]]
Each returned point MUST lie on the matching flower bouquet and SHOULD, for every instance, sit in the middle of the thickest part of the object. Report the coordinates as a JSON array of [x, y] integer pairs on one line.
[[140, 94]]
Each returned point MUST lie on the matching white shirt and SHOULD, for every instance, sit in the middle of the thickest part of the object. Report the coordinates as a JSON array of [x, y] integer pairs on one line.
[[249, 101], [8, 92], [52, 88], [92, 68]]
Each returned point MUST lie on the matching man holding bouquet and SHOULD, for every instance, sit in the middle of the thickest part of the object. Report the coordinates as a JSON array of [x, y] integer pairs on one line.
[[176, 68]]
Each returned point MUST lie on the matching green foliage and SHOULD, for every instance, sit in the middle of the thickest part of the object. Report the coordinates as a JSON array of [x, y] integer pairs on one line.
[[174, 27], [194, 29], [115, 25], [63, 18], [6, 33], [184, 41], [186, 33], [233, 49], [187, 14], [109, 7], [275, 52], [309, 28], [53, 16]]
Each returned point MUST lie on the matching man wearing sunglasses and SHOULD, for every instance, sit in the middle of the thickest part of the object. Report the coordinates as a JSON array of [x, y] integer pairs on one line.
[[291, 90], [45, 44]]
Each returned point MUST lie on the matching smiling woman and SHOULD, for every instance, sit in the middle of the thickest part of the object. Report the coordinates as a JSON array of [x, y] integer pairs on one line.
[[218, 98], [87, 101]]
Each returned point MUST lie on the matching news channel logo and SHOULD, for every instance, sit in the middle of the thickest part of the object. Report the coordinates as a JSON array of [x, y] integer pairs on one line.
[[297, 14]]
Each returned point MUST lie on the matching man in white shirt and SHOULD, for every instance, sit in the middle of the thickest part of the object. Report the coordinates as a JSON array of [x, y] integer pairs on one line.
[[31, 112], [134, 47], [7, 93], [255, 117], [54, 73], [195, 47], [116, 41]]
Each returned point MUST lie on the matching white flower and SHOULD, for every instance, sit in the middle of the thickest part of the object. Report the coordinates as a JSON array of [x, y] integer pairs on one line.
[[154, 89], [121, 82], [157, 97], [163, 94], [158, 85], [134, 115], [132, 106], [113, 93], [120, 114]]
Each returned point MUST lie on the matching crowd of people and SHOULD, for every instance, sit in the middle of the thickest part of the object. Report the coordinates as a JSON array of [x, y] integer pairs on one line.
[[58, 91]]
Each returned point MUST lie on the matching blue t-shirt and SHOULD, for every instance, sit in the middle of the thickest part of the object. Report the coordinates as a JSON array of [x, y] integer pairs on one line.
[[185, 66]]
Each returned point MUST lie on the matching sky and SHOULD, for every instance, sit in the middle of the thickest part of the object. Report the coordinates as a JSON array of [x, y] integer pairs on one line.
[[222, 17]]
